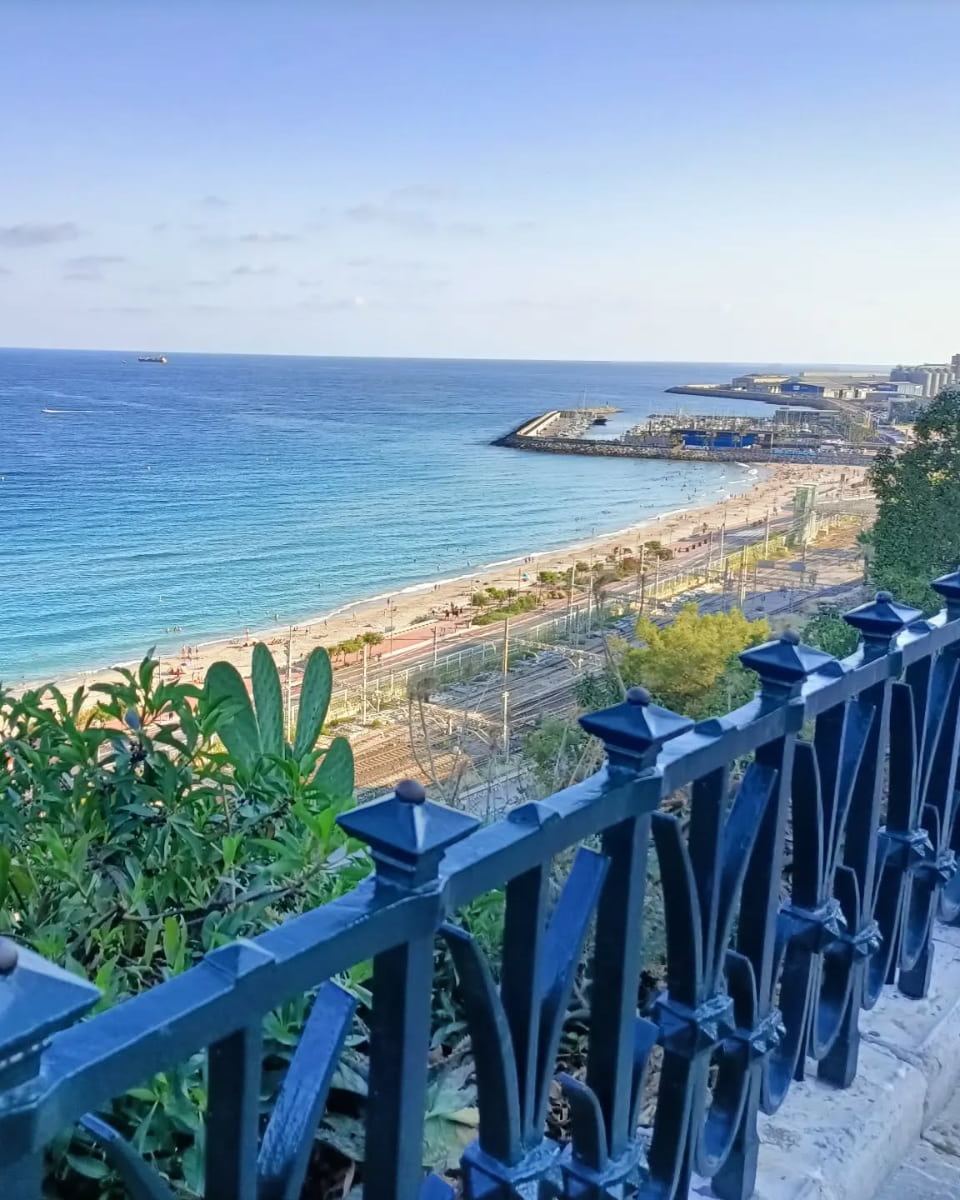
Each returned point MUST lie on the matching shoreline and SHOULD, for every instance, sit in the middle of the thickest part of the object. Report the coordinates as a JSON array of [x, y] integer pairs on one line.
[[420, 607]]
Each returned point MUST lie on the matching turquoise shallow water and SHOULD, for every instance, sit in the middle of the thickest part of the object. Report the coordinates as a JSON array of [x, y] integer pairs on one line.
[[217, 491]]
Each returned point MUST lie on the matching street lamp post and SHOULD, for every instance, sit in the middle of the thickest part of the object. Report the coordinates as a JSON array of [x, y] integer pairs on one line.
[[390, 619]]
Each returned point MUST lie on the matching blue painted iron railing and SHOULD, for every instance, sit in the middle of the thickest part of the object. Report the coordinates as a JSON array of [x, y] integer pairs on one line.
[[845, 776]]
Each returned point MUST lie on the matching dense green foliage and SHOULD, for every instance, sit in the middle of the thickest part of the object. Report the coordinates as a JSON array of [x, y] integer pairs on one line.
[[143, 823], [690, 665], [828, 631], [355, 644], [917, 532], [554, 751], [507, 604]]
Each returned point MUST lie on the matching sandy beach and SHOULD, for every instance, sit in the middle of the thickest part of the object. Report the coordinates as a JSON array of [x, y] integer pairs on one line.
[[409, 616]]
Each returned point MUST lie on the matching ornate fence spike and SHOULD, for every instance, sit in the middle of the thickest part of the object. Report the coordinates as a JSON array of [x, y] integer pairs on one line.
[[784, 665], [948, 586], [407, 834], [634, 731], [879, 622]]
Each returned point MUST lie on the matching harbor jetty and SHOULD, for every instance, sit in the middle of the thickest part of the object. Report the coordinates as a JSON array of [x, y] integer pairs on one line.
[[562, 422], [723, 391], [697, 439]]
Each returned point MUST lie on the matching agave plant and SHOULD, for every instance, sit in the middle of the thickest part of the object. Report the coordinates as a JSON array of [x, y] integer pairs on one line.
[[252, 729]]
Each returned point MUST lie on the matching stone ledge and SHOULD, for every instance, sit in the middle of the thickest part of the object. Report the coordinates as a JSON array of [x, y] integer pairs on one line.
[[828, 1144]]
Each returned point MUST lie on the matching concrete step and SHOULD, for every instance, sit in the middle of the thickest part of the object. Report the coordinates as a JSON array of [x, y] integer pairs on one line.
[[931, 1169]]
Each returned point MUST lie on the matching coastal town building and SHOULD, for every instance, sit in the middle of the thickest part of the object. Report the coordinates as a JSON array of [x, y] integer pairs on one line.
[[760, 383], [832, 385], [904, 385]]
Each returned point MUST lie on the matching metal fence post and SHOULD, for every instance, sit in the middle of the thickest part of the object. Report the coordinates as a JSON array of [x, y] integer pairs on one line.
[[407, 836], [782, 666], [36, 1000], [605, 1154], [878, 624]]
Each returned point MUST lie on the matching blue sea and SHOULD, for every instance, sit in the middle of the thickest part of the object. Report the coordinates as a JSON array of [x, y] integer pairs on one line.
[[225, 491]]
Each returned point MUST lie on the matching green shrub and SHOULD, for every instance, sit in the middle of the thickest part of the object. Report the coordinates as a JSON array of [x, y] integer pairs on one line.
[[510, 608], [143, 823], [828, 631]]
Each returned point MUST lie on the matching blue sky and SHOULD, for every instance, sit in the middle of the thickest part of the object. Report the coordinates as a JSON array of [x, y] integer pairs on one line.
[[614, 179]]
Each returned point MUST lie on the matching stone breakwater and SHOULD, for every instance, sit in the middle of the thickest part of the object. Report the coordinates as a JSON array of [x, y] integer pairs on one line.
[[520, 439], [717, 391]]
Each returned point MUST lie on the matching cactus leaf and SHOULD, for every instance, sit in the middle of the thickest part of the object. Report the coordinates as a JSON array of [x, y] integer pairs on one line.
[[238, 728], [314, 701], [268, 700], [335, 774]]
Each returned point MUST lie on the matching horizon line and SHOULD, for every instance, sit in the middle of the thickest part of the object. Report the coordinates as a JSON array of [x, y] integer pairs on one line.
[[451, 358]]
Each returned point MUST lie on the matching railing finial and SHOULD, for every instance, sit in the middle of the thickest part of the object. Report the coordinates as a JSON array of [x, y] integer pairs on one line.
[[8, 956], [36, 1000], [948, 586], [783, 665], [407, 834], [634, 732], [879, 622]]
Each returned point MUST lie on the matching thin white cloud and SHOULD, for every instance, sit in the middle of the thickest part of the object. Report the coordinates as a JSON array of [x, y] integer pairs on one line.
[[335, 304], [38, 234], [253, 238], [269, 239], [411, 220], [86, 261], [88, 268]]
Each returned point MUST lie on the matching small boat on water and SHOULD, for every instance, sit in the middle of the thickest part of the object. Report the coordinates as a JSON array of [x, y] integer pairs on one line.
[[599, 421], [152, 358]]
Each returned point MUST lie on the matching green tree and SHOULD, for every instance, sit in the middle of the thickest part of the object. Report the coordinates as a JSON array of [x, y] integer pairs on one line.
[[828, 631], [683, 663], [917, 533], [555, 750], [598, 689]]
